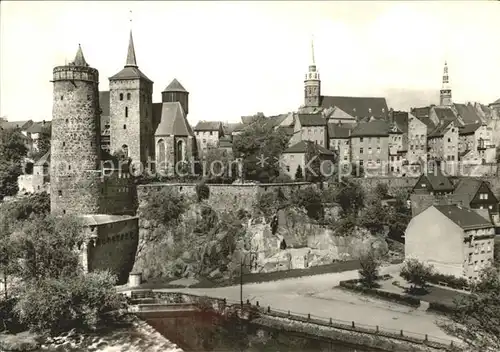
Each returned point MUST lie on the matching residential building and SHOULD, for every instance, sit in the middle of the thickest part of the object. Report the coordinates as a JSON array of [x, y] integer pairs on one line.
[[310, 127], [443, 143], [226, 144], [433, 183], [370, 147], [417, 141], [207, 135], [339, 136], [455, 240], [479, 196], [336, 115], [299, 153], [398, 142], [35, 132]]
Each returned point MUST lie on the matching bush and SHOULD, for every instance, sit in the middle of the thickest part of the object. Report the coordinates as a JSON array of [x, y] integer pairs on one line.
[[407, 300], [450, 280], [202, 191], [369, 270], [416, 273], [441, 308], [82, 302]]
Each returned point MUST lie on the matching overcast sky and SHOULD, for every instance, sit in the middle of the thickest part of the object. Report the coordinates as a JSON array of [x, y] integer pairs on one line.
[[240, 58]]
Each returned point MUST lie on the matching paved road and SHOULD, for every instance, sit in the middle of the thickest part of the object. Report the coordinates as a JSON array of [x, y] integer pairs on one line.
[[316, 295]]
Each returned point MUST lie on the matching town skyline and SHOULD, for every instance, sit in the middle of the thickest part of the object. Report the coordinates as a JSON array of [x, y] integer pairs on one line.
[[224, 67]]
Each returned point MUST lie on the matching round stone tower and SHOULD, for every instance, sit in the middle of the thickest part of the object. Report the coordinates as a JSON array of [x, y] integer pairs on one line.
[[75, 151]]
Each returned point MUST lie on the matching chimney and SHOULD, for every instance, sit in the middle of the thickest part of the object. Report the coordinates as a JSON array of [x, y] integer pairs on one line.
[[43, 123]]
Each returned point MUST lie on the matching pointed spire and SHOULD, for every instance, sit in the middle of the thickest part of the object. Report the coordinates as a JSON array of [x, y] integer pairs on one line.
[[131, 60], [312, 50], [79, 58]]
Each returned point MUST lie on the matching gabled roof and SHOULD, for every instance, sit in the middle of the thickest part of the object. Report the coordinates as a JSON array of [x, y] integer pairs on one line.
[[401, 120], [288, 130], [232, 127], [302, 146], [421, 112], [468, 113], [445, 113], [338, 113], [466, 218], [23, 125], [104, 102], [469, 129], [358, 106], [274, 121], [173, 121], [175, 86], [440, 130], [39, 127], [469, 187], [311, 120], [496, 102], [428, 122], [208, 126], [438, 181], [339, 130], [44, 160], [375, 128]]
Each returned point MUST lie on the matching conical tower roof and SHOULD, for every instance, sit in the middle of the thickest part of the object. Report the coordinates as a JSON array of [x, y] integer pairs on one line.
[[175, 86], [79, 58], [131, 60]]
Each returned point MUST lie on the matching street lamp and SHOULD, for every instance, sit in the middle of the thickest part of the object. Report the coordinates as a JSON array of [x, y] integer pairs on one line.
[[253, 259]]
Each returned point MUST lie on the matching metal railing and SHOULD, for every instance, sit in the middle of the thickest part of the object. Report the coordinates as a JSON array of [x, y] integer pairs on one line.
[[353, 326]]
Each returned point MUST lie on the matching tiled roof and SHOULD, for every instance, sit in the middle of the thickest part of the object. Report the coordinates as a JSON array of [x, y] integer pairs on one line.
[[301, 147], [445, 113], [358, 106], [401, 120], [468, 113], [464, 217], [469, 129], [375, 128], [440, 130], [173, 121], [39, 127], [130, 72], [339, 131], [311, 120], [496, 102], [274, 121], [44, 160], [175, 86], [439, 182], [79, 58], [104, 103], [233, 127], [208, 126], [421, 112], [15, 124], [468, 187], [428, 122]]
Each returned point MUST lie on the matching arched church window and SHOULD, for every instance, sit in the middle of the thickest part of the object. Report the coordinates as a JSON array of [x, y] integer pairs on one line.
[[121, 96], [128, 96], [125, 150], [180, 150], [162, 153]]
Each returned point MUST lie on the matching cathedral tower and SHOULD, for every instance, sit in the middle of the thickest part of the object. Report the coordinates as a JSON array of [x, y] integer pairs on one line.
[[312, 84], [445, 92], [75, 149], [131, 110], [176, 92]]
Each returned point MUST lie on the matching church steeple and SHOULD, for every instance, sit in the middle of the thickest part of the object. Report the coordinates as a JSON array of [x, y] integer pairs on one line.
[[312, 83], [445, 93], [131, 60]]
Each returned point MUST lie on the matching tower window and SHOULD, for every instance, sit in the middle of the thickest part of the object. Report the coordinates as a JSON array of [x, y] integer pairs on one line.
[[59, 193], [64, 211], [89, 97], [64, 144], [69, 167], [128, 96], [124, 127], [126, 111], [121, 96], [67, 120], [62, 97]]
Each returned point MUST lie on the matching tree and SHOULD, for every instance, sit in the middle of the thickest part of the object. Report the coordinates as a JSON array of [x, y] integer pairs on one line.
[[299, 174], [476, 317], [12, 146], [374, 217], [164, 206], [416, 273], [260, 146], [369, 269], [310, 199], [350, 196], [23, 208], [9, 173], [43, 145], [8, 253], [219, 166], [381, 190], [202, 191], [49, 246]]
